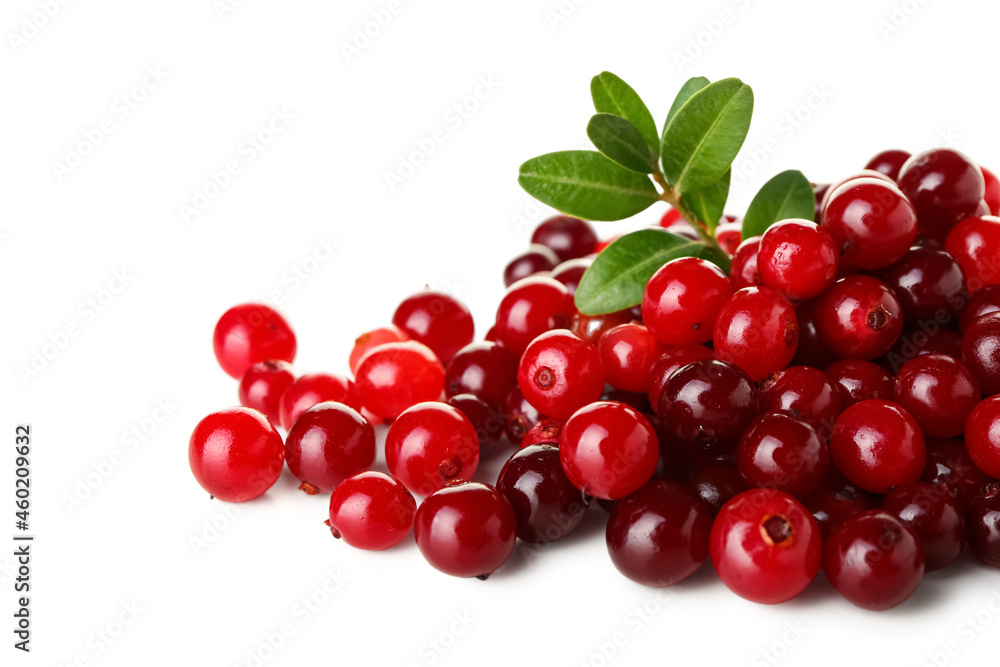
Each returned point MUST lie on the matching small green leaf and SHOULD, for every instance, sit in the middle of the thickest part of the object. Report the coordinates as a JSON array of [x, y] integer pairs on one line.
[[706, 133], [690, 87], [709, 202], [619, 140], [787, 195], [587, 184], [619, 274], [614, 96]]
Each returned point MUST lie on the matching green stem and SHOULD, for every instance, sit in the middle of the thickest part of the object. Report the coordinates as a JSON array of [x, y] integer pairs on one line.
[[673, 197]]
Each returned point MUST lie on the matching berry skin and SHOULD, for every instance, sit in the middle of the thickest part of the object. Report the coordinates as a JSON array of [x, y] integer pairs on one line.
[[939, 392], [805, 393], [235, 454], [983, 524], [858, 381], [395, 376], [487, 420], [372, 339], [975, 244], [567, 237], [591, 327], [545, 432], [547, 505], [328, 443], [784, 453], [992, 192], [608, 450], [743, 270], [262, 386], [981, 352], [945, 187], [877, 445], [929, 284], [249, 333], [716, 482], [535, 260], [431, 445], [671, 360], [439, 321], [834, 501], [559, 373], [659, 535], [531, 307], [888, 162], [570, 272], [874, 560], [932, 512], [949, 463], [520, 416], [315, 388], [467, 530], [483, 369], [872, 223], [756, 329], [765, 546], [982, 436], [983, 302], [859, 317], [371, 510], [682, 299], [628, 353], [798, 258], [729, 235], [811, 351]]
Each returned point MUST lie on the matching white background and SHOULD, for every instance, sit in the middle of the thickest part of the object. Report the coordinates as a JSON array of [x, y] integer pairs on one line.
[[451, 225]]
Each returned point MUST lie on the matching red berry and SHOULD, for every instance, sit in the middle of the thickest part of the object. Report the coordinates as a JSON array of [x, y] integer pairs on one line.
[[545, 432], [992, 191], [975, 243], [888, 162], [858, 381], [483, 369], [262, 386], [756, 329], [765, 546], [249, 333], [370, 340], [982, 436], [530, 308], [315, 388], [534, 261], [811, 351], [805, 393], [872, 223], [945, 187], [671, 360], [570, 273], [487, 420], [981, 352], [591, 327], [929, 284], [394, 376], [628, 353], [716, 482], [559, 373], [729, 235], [877, 445], [743, 269], [547, 505], [949, 463], [520, 416], [835, 500], [235, 454], [569, 238], [682, 299], [328, 443], [983, 302], [431, 445], [859, 317], [797, 258], [939, 392], [371, 510], [781, 452], [439, 321], [932, 512], [983, 524]]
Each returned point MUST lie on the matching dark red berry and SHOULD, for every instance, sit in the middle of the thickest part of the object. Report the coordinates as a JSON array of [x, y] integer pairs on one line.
[[431, 445], [371, 510], [438, 320], [559, 373], [872, 223], [315, 388], [945, 187], [570, 273], [914, 342], [805, 393], [975, 244], [992, 191], [262, 386], [487, 420], [520, 416], [328, 443], [530, 308], [939, 392], [877, 445], [982, 436], [716, 481], [682, 299], [537, 259], [591, 327], [859, 317], [568, 237], [798, 258], [858, 381], [981, 352], [394, 376], [671, 360], [235, 454], [949, 463], [547, 505], [811, 351], [983, 302], [932, 512], [888, 162], [484, 369], [743, 270], [835, 500], [756, 329], [929, 284], [784, 453], [249, 333], [983, 524]]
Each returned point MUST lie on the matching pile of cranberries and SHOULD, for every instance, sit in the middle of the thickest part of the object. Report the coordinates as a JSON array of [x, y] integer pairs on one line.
[[832, 402]]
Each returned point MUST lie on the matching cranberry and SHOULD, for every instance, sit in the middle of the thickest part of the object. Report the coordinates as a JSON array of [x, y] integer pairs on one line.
[[547, 505], [874, 560], [939, 392], [394, 376], [877, 445], [262, 386], [797, 258], [538, 259], [716, 482], [975, 243], [983, 302], [835, 500], [592, 327], [439, 321], [520, 416], [858, 381], [628, 353], [669, 361], [756, 329], [371, 510], [545, 432], [929, 284], [608, 450], [531, 307], [314, 388], [949, 463], [781, 452], [915, 342], [249, 333], [944, 186], [659, 535], [765, 546], [682, 299], [328, 443], [932, 512], [484, 369], [992, 191], [982, 436], [235, 454], [805, 393], [570, 273], [486, 419], [369, 340], [859, 317], [729, 234], [888, 162], [431, 445], [468, 530], [560, 373], [811, 351], [981, 352], [568, 237], [743, 269], [871, 222], [857, 176], [820, 192], [983, 525]]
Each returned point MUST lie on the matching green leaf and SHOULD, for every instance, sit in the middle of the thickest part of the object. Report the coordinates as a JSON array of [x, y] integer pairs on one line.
[[587, 184], [787, 195], [619, 274], [619, 140], [690, 87], [706, 133], [709, 202], [614, 96]]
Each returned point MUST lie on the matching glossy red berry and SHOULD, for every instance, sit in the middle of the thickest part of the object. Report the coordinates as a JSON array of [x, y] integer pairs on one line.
[[743, 269], [545, 432], [487, 420], [874, 560], [262, 386], [877, 445], [983, 302], [805, 393], [530, 308], [682, 299], [628, 353], [608, 450], [559, 373], [857, 176], [798, 258], [483, 369], [981, 352], [370, 340], [858, 381], [939, 392], [536, 260], [729, 235], [520, 416], [328, 443], [975, 244], [811, 350], [315, 388], [394, 376], [949, 463], [431, 445], [716, 481], [235, 454], [835, 500], [547, 505], [872, 223], [567, 237], [918, 341], [983, 524], [992, 191], [932, 512], [438, 320], [371, 510], [888, 162], [765, 546], [859, 317], [945, 187], [659, 535], [591, 327], [467, 530], [671, 360], [982, 436], [781, 452], [929, 284], [249, 333], [756, 329], [570, 273]]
